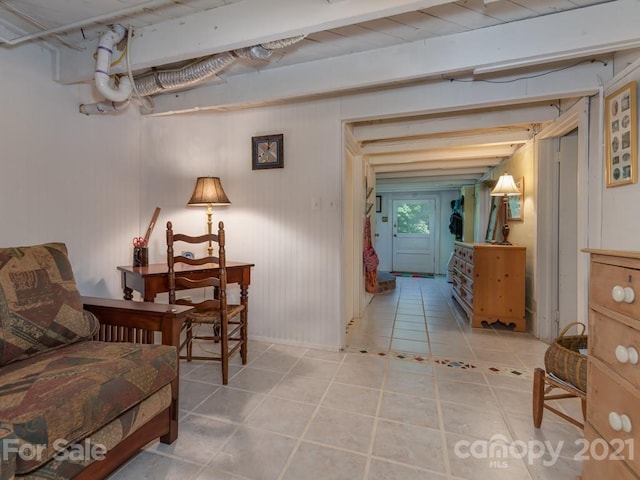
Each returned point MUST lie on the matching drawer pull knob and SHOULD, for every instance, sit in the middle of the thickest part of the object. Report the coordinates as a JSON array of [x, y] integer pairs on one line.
[[629, 295], [620, 422], [617, 293], [627, 354], [620, 294], [626, 423]]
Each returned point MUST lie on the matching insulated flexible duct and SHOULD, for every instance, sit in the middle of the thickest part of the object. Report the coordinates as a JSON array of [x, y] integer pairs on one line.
[[159, 81]]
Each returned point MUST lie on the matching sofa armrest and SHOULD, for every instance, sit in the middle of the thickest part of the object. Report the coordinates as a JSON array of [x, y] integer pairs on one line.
[[129, 321]]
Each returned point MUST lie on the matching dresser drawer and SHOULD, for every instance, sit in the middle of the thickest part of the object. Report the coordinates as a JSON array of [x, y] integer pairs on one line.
[[626, 282], [467, 268], [608, 339], [601, 463], [607, 398]]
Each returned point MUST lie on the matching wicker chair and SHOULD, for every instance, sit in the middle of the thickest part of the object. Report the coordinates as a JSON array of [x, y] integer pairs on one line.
[[566, 369]]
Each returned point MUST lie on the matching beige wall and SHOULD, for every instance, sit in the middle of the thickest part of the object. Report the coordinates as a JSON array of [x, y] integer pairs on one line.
[[522, 165]]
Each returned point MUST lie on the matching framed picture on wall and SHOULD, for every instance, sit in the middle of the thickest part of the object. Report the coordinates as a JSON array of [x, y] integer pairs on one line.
[[621, 132], [516, 203], [267, 152]]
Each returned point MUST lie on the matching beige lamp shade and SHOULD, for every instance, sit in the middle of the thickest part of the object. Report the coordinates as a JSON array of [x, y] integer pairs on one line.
[[208, 191], [505, 186]]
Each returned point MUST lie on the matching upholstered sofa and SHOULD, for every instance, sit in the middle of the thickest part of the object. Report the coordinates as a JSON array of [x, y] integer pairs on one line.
[[83, 387]]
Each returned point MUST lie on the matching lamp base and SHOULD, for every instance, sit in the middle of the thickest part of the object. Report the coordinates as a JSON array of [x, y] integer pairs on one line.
[[505, 235]]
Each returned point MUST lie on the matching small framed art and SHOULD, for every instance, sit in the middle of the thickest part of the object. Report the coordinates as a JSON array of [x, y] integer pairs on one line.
[[267, 151], [515, 203], [621, 136]]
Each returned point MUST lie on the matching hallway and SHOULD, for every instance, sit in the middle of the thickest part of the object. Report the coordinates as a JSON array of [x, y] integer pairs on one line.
[[295, 413]]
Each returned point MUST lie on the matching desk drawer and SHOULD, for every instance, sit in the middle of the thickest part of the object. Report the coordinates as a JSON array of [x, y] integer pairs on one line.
[[605, 336], [605, 277], [607, 397]]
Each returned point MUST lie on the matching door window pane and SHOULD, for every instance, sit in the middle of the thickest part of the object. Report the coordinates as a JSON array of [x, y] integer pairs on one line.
[[413, 218]]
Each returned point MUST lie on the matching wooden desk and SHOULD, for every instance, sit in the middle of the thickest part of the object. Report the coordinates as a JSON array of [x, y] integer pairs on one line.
[[154, 278]]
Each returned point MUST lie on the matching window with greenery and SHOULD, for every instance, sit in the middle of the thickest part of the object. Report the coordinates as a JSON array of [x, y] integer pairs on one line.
[[413, 218]]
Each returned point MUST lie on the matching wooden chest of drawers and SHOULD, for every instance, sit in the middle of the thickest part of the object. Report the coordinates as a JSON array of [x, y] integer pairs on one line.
[[489, 283], [612, 428]]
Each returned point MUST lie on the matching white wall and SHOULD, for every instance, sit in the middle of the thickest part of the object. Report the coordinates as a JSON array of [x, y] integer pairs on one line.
[[66, 177], [295, 293], [620, 222]]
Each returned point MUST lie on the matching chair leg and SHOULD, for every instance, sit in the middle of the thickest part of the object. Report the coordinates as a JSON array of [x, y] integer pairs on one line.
[[189, 342], [243, 336], [583, 403], [224, 356], [538, 396], [216, 332]]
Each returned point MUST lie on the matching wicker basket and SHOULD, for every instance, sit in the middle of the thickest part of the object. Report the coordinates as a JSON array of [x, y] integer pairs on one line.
[[563, 359]]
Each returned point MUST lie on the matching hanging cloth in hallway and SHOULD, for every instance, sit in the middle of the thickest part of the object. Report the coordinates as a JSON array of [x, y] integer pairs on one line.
[[371, 261]]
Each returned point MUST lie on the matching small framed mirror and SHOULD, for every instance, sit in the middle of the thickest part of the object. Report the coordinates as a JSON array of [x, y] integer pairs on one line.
[[492, 224]]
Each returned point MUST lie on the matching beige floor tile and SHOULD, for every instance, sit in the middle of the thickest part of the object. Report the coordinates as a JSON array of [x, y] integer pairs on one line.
[[352, 399], [410, 409], [465, 393], [319, 462], [409, 346], [254, 454], [409, 444], [192, 393], [229, 404], [468, 461], [276, 362], [360, 375], [410, 384], [301, 388], [341, 429], [147, 466], [280, 415], [383, 470], [199, 439], [472, 421], [255, 380], [315, 368]]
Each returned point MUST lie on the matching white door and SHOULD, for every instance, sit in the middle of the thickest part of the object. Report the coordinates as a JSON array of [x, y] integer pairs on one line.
[[567, 296], [414, 233]]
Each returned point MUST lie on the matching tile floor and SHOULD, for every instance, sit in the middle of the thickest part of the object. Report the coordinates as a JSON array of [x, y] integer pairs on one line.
[[395, 412]]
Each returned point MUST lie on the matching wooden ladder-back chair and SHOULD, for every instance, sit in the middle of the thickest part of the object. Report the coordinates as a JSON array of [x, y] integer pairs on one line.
[[228, 323]]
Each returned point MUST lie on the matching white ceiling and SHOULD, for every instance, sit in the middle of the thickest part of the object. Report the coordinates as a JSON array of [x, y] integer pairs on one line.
[[350, 46]]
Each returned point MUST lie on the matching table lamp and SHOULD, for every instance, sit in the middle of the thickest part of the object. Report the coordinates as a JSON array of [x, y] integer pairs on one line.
[[208, 191], [505, 188]]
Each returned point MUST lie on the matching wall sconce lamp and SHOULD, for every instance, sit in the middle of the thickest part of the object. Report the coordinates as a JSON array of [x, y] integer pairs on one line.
[[208, 191], [505, 188]]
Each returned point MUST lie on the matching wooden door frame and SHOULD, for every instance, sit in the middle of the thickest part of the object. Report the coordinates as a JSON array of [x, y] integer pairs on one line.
[[545, 283]]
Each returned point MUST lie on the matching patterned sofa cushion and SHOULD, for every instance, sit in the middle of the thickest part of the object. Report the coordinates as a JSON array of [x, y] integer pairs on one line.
[[69, 393], [40, 306], [69, 463]]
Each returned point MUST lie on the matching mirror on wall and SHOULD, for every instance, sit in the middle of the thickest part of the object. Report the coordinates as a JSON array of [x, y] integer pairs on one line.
[[495, 206]]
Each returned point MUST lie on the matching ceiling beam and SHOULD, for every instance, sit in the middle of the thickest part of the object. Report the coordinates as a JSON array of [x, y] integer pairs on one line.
[[499, 151], [447, 164], [235, 25], [426, 169], [469, 120], [492, 138], [383, 178], [568, 35]]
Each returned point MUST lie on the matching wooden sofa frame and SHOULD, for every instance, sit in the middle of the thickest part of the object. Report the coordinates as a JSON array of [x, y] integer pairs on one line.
[[137, 322]]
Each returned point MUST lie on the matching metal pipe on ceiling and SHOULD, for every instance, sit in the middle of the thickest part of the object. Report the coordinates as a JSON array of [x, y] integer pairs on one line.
[[105, 17]]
